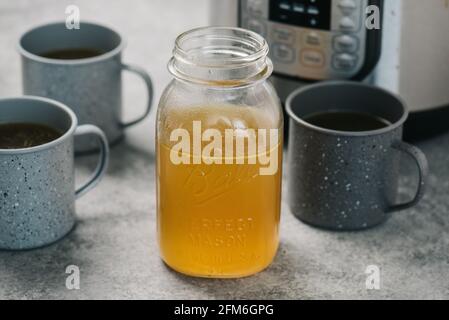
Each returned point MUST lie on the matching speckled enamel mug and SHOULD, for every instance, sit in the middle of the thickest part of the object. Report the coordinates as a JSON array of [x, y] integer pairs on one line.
[[347, 180], [37, 188], [92, 87]]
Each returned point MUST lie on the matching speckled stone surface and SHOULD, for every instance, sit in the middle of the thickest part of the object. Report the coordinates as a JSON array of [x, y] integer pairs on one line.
[[114, 243]]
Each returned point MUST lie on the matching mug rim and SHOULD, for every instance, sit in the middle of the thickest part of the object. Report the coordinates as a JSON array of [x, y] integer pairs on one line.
[[53, 143], [389, 128], [104, 56]]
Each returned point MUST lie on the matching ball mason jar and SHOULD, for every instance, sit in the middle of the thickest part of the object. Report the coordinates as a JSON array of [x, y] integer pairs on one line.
[[219, 156]]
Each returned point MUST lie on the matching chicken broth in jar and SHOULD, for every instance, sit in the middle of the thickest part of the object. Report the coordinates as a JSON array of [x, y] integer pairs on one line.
[[219, 156]]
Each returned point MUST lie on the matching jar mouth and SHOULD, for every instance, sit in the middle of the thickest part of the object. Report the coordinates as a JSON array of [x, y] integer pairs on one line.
[[226, 55], [224, 46]]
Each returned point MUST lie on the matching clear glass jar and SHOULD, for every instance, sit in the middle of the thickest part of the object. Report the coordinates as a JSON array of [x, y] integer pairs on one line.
[[219, 156]]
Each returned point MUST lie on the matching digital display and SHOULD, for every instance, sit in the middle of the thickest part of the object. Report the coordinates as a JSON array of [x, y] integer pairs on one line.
[[314, 14]]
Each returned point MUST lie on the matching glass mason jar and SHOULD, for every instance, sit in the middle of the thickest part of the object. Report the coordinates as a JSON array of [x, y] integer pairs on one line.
[[219, 156]]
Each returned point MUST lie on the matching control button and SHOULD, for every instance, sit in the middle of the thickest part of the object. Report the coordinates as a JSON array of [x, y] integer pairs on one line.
[[347, 6], [299, 8], [346, 43], [345, 62], [283, 53], [312, 58], [256, 26], [312, 39], [283, 35], [313, 10], [284, 5], [313, 22], [347, 24]]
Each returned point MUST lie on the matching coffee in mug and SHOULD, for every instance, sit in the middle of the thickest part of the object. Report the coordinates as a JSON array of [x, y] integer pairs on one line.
[[347, 121], [26, 135], [72, 53]]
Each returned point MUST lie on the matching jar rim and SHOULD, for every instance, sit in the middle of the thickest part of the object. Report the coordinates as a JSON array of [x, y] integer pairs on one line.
[[220, 57], [247, 37]]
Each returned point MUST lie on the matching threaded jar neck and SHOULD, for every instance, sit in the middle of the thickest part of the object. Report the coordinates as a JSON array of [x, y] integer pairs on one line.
[[221, 56]]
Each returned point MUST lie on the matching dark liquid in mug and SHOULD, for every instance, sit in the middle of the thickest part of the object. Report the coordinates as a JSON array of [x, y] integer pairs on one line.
[[26, 135], [347, 121], [72, 53]]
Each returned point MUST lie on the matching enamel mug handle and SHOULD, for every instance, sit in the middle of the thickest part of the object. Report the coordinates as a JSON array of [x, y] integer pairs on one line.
[[103, 160], [423, 171], [146, 78]]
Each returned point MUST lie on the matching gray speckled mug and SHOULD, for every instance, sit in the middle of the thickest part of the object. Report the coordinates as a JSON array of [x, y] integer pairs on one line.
[[37, 189], [347, 180], [92, 87]]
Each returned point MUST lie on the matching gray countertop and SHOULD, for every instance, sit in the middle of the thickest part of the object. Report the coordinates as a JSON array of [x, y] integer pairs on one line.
[[114, 243]]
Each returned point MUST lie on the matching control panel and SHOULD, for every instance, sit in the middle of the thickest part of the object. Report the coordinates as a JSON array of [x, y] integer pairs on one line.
[[310, 39]]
